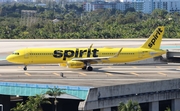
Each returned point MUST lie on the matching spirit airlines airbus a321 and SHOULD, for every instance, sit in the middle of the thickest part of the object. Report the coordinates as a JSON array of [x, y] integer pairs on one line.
[[84, 57]]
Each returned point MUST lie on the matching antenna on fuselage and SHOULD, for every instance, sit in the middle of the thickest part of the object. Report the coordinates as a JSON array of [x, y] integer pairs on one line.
[[91, 46]]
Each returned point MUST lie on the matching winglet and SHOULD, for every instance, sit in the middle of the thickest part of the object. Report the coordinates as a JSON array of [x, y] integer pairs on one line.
[[117, 54], [91, 46]]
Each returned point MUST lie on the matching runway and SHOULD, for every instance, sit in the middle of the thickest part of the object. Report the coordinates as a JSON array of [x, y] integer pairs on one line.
[[103, 75]]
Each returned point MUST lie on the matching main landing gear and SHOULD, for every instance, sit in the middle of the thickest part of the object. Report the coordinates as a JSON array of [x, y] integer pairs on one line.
[[87, 67], [25, 68], [84, 68]]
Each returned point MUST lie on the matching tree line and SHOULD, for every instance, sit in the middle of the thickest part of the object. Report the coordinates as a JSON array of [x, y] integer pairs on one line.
[[74, 23]]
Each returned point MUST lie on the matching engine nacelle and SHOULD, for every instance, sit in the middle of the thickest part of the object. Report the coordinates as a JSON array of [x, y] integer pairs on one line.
[[63, 65], [75, 64]]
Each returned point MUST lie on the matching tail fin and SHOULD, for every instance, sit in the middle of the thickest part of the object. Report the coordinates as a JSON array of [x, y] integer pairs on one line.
[[154, 41]]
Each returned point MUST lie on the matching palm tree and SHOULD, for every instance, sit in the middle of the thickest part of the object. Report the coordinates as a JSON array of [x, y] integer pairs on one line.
[[19, 107], [168, 109], [55, 92], [35, 102], [32, 104], [130, 106]]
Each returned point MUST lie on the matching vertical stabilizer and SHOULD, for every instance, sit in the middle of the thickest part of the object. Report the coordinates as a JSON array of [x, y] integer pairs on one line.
[[154, 41]]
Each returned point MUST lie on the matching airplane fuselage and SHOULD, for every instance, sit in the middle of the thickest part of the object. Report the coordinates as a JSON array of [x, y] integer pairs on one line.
[[62, 55]]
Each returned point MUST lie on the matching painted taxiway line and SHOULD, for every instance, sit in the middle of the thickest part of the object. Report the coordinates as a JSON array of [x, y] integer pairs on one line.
[[45, 71], [56, 74], [161, 73], [147, 71], [81, 73], [159, 67], [134, 73], [134, 67], [109, 74], [137, 68], [27, 74], [109, 67], [37, 71]]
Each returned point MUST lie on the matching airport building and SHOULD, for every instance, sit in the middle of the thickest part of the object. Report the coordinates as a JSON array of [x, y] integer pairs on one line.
[[152, 96]]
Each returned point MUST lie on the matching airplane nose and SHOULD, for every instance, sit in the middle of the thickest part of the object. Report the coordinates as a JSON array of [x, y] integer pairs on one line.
[[9, 58]]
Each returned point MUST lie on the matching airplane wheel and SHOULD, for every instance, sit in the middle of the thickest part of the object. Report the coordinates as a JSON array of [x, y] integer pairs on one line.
[[62, 75], [25, 68], [89, 68], [84, 68]]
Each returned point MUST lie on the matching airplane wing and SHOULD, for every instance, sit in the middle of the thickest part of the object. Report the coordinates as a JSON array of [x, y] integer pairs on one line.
[[96, 59]]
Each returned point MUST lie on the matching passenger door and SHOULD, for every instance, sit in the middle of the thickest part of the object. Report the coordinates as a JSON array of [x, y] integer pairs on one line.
[[26, 53], [27, 56]]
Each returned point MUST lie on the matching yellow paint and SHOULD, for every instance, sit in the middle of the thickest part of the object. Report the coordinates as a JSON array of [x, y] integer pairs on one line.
[[56, 74], [134, 67], [109, 74], [82, 74], [161, 73], [27, 74], [158, 67], [76, 57], [134, 73]]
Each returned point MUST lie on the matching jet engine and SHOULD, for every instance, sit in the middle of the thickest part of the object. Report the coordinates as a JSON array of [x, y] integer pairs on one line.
[[75, 64]]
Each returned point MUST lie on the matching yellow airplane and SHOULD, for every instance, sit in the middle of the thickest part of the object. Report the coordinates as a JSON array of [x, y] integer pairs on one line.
[[84, 57]]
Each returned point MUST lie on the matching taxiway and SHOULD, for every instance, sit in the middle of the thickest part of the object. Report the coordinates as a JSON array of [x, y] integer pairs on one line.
[[103, 75]]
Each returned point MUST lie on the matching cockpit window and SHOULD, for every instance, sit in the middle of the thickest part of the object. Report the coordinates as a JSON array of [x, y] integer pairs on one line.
[[15, 53]]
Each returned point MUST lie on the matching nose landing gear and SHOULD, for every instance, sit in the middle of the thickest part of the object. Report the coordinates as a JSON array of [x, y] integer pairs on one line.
[[25, 68]]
